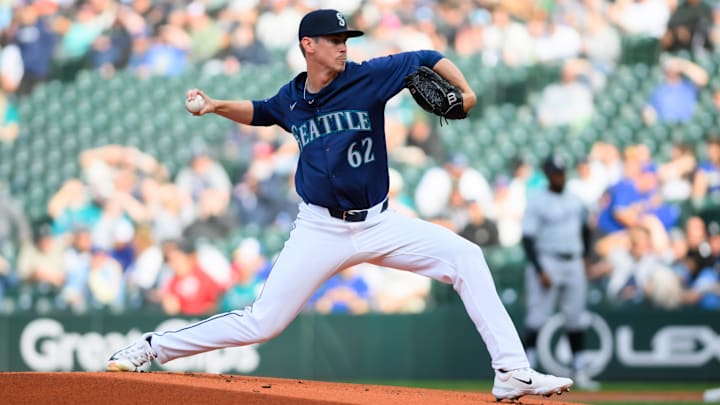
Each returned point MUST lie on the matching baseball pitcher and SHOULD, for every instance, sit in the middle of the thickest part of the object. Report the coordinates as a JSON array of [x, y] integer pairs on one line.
[[335, 112]]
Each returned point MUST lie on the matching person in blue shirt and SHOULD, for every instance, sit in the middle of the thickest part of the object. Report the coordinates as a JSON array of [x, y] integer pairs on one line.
[[346, 292], [336, 113], [701, 282], [36, 41], [633, 201], [706, 181], [675, 99]]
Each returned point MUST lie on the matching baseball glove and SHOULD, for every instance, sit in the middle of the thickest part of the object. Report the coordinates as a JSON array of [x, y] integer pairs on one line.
[[435, 94]]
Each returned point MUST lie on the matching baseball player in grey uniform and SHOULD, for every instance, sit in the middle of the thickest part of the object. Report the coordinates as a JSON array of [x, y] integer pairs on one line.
[[556, 240], [335, 111]]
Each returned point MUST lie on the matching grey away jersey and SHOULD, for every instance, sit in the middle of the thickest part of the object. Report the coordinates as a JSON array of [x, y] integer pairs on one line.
[[555, 221]]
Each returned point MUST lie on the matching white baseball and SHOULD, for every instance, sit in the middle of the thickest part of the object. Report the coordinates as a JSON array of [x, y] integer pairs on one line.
[[194, 104]]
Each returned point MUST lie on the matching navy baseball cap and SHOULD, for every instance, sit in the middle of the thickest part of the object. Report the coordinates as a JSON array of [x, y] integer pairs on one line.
[[554, 164], [325, 22]]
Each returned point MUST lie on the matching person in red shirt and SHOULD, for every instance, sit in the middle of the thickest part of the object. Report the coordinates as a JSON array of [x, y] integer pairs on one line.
[[189, 291]]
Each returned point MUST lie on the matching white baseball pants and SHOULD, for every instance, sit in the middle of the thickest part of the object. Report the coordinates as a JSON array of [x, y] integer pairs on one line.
[[320, 246]]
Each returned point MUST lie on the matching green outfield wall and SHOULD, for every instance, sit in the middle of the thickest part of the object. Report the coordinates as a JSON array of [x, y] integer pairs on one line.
[[442, 344]]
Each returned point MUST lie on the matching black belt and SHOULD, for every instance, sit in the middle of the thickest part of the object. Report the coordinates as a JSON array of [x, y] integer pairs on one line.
[[564, 256], [353, 215]]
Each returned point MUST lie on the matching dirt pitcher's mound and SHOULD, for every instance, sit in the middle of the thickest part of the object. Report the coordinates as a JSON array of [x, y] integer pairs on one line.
[[216, 389]]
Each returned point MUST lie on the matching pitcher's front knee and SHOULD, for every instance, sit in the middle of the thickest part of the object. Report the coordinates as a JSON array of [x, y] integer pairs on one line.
[[268, 331], [264, 326], [468, 254]]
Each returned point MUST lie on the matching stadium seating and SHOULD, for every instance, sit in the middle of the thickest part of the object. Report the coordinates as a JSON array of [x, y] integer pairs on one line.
[[62, 118]]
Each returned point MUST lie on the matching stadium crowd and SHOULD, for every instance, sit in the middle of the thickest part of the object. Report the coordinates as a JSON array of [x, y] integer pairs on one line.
[[128, 233]]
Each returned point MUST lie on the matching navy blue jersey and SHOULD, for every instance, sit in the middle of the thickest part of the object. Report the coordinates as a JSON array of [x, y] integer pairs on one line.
[[340, 130]]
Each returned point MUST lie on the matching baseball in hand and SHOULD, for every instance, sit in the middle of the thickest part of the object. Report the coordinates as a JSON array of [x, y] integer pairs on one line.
[[195, 104]]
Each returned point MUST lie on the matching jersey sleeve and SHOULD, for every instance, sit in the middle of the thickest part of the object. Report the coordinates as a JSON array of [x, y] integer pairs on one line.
[[267, 112], [264, 112], [389, 71]]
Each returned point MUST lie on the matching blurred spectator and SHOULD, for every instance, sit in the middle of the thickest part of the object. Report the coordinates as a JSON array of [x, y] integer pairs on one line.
[[171, 210], [626, 270], [606, 163], [601, 43], [41, 263], [676, 174], [72, 207], [246, 48], [569, 101], [15, 232], [635, 201], [14, 225], [689, 27], [143, 275], [456, 216], [556, 42], [9, 119], [206, 36], [664, 289], [636, 195], [677, 248], [702, 283], [713, 228], [84, 28], [189, 291], [77, 263], [11, 73], [164, 55], [479, 229], [204, 173], [213, 221], [264, 195], [37, 43], [706, 181], [250, 268], [215, 264], [436, 188], [509, 211], [675, 99], [506, 41], [424, 136], [236, 150], [398, 199], [111, 50], [510, 197], [588, 184], [273, 26], [113, 229], [470, 40], [395, 291], [346, 292], [697, 240], [641, 17], [105, 281], [715, 27], [123, 247], [118, 168]]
